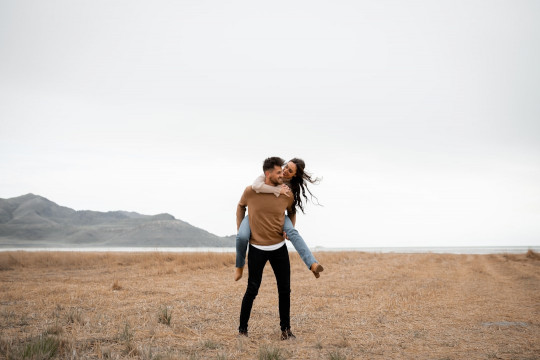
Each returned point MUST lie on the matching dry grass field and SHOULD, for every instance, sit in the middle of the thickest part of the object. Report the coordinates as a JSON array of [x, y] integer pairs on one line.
[[186, 306]]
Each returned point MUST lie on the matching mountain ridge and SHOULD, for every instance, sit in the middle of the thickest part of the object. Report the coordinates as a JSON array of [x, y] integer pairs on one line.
[[32, 220]]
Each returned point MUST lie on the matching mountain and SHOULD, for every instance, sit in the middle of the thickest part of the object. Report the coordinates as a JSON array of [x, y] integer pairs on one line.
[[32, 220]]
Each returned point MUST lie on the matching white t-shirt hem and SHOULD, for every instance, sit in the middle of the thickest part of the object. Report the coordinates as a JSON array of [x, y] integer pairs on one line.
[[269, 247]]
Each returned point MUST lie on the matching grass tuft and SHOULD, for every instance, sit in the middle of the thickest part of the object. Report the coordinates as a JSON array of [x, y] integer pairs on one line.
[[164, 316], [336, 355], [8, 262], [6, 347], [55, 329], [268, 352], [210, 345], [74, 316], [531, 254], [126, 335], [103, 352], [42, 348], [116, 286]]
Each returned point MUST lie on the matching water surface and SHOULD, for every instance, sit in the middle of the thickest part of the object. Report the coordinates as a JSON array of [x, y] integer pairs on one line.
[[401, 250]]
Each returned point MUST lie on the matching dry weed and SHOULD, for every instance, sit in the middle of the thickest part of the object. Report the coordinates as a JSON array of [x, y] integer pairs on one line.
[[533, 255], [116, 286]]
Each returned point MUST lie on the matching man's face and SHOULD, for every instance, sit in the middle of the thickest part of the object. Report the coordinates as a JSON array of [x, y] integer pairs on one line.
[[276, 175]]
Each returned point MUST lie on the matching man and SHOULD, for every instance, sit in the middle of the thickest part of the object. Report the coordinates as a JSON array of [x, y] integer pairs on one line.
[[266, 218]]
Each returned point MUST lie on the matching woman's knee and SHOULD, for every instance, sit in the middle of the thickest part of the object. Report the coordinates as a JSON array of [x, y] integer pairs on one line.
[[244, 231], [242, 237]]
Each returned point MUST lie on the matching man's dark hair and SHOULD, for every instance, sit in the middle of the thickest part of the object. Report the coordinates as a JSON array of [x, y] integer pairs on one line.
[[271, 162]]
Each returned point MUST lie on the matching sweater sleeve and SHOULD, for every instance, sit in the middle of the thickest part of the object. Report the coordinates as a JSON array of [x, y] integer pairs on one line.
[[260, 187], [241, 209]]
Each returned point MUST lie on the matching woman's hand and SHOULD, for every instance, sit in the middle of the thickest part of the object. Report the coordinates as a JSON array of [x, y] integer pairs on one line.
[[285, 190]]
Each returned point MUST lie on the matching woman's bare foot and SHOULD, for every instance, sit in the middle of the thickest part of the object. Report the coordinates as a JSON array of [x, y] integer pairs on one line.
[[238, 273], [316, 268]]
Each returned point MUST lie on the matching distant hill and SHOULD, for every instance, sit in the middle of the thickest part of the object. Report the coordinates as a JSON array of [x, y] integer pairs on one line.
[[34, 221]]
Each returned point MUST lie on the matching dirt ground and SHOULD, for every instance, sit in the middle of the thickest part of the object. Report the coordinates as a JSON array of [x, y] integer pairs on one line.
[[186, 306]]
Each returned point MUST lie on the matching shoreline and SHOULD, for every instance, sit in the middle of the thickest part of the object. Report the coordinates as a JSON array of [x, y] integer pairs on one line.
[[471, 250]]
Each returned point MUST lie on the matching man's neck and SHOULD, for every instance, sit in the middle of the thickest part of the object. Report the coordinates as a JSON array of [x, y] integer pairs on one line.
[[268, 182]]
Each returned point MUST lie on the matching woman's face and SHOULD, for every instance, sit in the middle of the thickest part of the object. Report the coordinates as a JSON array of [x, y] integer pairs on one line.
[[289, 170]]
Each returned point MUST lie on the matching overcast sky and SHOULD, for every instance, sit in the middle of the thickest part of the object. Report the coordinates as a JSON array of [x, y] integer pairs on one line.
[[422, 117]]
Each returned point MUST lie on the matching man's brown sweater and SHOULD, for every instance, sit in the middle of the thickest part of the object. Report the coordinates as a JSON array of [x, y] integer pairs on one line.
[[266, 216]]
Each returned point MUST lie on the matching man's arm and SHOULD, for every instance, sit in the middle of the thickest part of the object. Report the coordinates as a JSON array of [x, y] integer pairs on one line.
[[241, 209]]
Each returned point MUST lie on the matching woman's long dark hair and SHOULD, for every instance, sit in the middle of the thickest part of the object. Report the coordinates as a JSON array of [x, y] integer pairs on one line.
[[299, 187]]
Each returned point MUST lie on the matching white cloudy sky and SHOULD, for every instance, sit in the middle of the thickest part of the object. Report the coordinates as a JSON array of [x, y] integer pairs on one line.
[[422, 117]]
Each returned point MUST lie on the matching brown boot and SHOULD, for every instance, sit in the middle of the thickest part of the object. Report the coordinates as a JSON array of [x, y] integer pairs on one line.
[[238, 273], [316, 268], [287, 334]]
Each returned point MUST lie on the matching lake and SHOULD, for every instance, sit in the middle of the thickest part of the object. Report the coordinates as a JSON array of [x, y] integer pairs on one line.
[[406, 250]]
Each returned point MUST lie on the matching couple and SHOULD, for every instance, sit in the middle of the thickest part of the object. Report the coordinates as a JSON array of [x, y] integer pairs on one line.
[[267, 200]]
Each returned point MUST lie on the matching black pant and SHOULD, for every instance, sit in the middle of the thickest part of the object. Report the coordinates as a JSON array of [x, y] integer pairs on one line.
[[279, 259]]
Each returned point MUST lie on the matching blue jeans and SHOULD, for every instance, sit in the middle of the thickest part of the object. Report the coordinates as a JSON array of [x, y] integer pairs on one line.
[[244, 233]]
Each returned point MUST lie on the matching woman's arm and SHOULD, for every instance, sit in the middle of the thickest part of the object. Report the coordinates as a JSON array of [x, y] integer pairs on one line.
[[260, 187], [292, 216]]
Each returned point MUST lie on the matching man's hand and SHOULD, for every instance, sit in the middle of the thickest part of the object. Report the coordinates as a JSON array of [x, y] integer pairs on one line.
[[285, 190]]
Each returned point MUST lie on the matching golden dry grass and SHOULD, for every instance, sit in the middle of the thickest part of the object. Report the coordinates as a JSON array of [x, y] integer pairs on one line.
[[364, 306]]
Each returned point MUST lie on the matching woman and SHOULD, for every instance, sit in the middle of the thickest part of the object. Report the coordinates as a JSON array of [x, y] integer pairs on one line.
[[295, 181]]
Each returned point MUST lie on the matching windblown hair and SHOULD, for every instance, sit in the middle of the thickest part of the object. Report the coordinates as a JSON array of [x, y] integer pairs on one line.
[[271, 162], [299, 185]]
